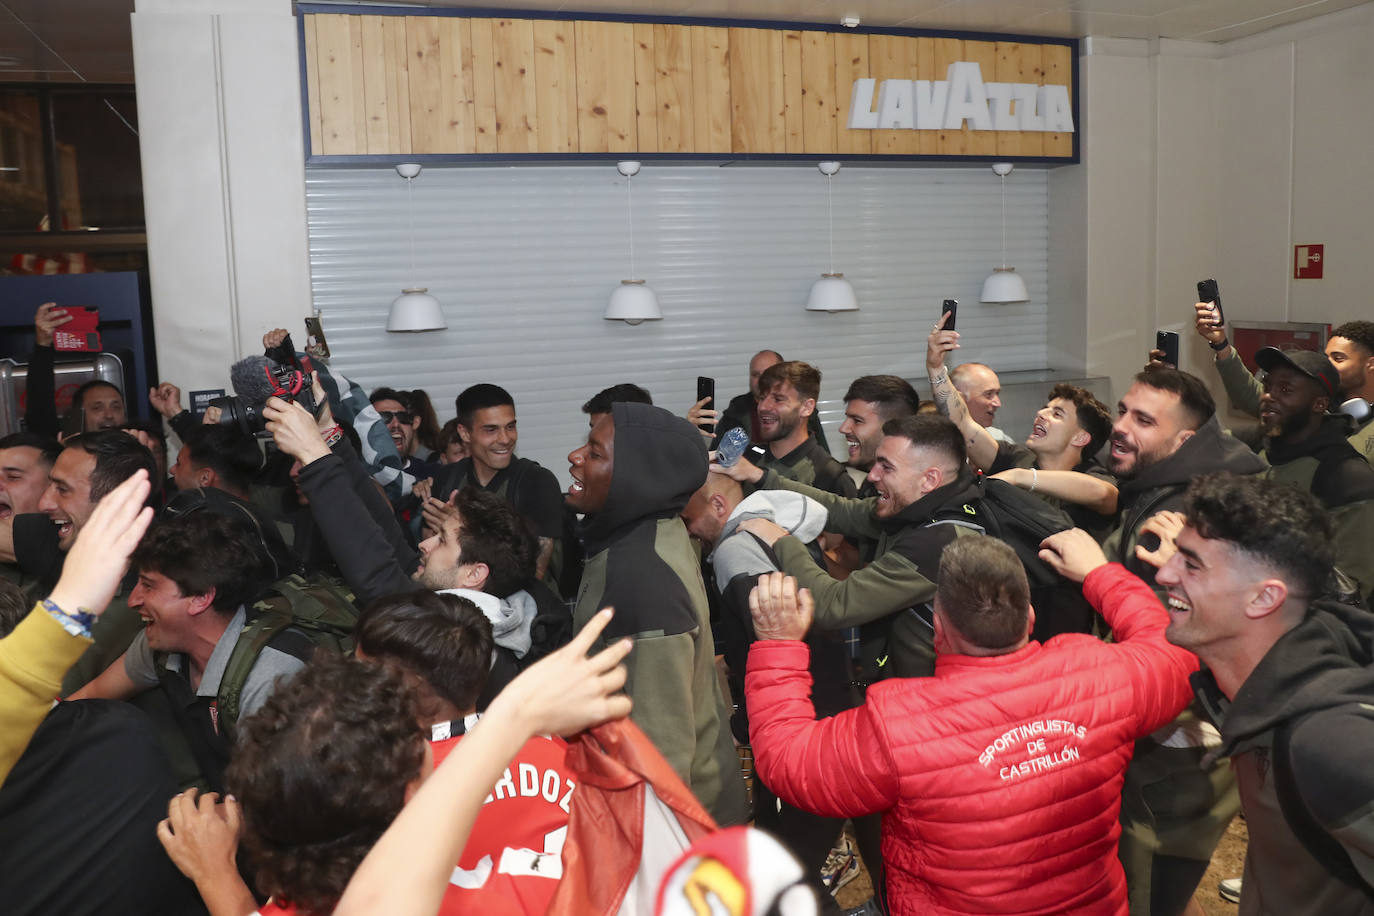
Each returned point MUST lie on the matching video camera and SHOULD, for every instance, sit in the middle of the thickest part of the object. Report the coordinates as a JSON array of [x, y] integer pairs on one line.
[[277, 373]]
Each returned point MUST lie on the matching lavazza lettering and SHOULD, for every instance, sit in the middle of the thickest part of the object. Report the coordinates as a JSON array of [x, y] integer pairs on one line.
[[962, 96]]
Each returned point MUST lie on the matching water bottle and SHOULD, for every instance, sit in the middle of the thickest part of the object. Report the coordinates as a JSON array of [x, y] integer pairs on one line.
[[732, 445]]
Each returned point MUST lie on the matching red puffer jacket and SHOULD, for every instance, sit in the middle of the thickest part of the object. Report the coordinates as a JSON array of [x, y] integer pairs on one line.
[[1000, 776]]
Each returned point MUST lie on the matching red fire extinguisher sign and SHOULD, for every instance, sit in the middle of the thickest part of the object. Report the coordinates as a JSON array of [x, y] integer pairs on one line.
[[1307, 262]]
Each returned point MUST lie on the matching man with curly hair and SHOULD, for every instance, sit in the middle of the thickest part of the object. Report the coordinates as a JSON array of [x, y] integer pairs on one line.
[[309, 818], [1287, 679]]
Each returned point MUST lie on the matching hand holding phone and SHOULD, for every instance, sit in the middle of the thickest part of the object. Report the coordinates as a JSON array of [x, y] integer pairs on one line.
[[1167, 343], [951, 308], [1207, 291], [706, 388]]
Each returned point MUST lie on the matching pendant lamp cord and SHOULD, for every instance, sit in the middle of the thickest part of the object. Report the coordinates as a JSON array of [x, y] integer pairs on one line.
[[830, 194], [410, 209], [630, 211], [1004, 220]]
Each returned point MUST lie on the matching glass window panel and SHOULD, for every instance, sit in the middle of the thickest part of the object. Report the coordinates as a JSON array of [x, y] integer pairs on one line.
[[23, 185], [100, 180]]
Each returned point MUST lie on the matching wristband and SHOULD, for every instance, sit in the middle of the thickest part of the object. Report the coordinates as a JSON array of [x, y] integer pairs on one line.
[[1222, 345], [1035, 478], [333, 437], [77, 623]]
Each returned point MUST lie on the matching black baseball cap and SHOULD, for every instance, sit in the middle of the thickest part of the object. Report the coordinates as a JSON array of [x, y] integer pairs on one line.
[[1310, 363]]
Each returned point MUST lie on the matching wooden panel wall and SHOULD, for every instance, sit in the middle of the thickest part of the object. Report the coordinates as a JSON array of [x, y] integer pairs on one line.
[[389, 85]]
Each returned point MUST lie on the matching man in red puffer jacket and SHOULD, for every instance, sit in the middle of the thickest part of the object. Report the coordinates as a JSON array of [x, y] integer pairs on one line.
[[1000, 776]]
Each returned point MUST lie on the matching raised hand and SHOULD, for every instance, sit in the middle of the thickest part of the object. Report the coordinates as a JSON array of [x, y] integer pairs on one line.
[[46, 320], [780, 610], [96, 563]]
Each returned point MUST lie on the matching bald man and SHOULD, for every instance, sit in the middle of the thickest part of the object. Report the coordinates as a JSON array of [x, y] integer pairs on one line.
[[982, 393], [737, 560]]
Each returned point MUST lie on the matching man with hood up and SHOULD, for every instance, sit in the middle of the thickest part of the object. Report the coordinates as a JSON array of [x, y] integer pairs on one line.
[[1289, 681], [1173, 810], [631, 480]]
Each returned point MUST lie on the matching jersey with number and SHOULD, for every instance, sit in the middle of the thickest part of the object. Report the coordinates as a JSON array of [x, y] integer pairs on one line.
[[512, 861]]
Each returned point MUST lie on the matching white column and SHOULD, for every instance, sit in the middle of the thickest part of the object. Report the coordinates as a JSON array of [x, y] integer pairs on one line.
[[219, 110]]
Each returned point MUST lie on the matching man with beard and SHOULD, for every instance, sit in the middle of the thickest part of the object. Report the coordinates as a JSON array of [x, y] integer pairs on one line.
[[1307, 447], [1173, 810], [921, 468], [742, 411], [789, 398], [632, 478], [482, 549], [870, 402], [1350, 349]]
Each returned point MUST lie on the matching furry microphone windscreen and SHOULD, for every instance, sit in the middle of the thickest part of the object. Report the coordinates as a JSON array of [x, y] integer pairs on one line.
[[249, 379]]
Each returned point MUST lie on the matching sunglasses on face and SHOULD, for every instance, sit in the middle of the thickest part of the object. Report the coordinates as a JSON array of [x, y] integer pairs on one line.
[[404, 416]]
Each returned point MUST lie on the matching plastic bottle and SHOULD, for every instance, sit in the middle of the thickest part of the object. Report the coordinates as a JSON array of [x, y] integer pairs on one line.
[[732, 446]]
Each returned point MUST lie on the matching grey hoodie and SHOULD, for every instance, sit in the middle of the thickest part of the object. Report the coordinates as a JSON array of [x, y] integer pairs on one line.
[[510, 617]]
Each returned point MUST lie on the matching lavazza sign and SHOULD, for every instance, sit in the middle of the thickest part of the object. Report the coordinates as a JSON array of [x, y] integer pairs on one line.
[[962, 96]]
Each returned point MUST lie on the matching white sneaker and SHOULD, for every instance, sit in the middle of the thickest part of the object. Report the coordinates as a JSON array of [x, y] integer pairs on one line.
[[1230, 890]]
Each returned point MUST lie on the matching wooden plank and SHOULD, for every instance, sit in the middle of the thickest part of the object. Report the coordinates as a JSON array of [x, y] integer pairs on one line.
[[673, 87], [851, 63], [983, 53], [398, 83], [460, 87], [893, 57], [513, 72], [927, 141], [605, 87], [342, 131], [948, 51], [792, 96], [555, 74], [482, 43], [1019, 63], [1057, 65], [440, 101], [377, 135], [646, 95], [312, 84], [711, 89], [820, 102], [756, 117]]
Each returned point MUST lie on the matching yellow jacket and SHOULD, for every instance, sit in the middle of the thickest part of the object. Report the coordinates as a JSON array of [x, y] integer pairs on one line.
[[33, 659]]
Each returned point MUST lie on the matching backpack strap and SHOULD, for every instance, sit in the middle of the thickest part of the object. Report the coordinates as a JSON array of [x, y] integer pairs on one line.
[[257, 633], [1322, 846]]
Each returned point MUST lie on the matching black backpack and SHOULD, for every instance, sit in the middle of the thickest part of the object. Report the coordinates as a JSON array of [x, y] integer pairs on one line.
[[1325, 848], [1023, 520]]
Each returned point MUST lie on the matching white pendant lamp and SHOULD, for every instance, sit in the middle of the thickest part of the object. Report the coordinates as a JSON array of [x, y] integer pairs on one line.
[[633, 301], [832, 292], [415, 309], [1004, 284]]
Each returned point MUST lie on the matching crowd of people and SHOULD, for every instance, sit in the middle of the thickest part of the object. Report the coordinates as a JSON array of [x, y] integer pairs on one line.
[[338, 658]]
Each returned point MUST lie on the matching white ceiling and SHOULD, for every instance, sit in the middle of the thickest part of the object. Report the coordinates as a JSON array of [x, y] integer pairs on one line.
[[89, 39]]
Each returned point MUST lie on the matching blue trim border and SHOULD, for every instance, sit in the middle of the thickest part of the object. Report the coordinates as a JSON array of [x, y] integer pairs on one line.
[[313, 160]]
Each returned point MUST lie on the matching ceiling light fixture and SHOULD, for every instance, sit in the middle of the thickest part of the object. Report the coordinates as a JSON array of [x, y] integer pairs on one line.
[[633, 301], [832, 292], [1004, 284], [415, 309]]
